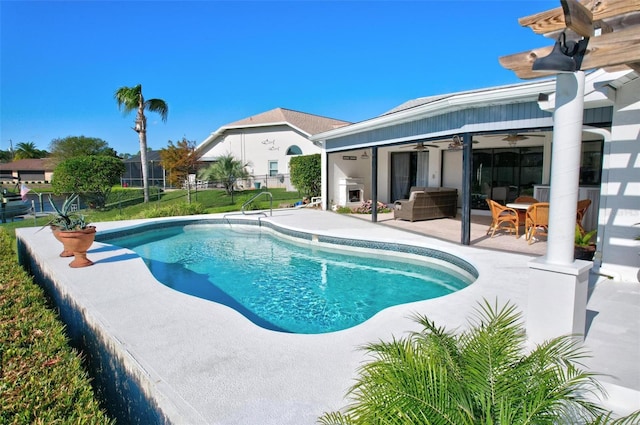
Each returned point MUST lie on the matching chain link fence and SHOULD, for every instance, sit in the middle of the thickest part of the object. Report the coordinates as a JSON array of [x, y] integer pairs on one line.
[[280, 181]]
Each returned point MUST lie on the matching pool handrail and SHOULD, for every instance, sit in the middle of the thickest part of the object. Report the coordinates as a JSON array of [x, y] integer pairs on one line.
[[256, 196]]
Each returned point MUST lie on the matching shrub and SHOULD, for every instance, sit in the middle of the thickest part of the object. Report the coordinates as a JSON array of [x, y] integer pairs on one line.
[[344, 210], [306, 173], [91, 176], [41, 378], [177, 209]]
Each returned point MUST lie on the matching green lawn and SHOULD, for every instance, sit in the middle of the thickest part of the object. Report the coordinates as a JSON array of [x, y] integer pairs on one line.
[[127, 203]]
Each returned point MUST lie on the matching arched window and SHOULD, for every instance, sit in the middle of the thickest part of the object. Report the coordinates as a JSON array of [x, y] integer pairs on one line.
[[294, 150]]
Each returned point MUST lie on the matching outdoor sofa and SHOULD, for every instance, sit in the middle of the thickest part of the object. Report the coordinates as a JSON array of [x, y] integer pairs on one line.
[[425, 203]]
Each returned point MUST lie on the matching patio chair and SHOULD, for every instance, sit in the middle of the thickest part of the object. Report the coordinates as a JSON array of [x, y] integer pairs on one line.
[[583, 206], [526, 200], [537, 221], [502, 217]]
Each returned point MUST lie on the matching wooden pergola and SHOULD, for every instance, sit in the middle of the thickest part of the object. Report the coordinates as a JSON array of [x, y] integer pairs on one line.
[[612, 26]]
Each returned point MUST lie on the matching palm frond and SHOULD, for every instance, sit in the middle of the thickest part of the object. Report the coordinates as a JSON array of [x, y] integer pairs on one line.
[[608, 419], [489, 350], [401, 384], [482, 375], [158, 106], [335, 418], [128, 98]]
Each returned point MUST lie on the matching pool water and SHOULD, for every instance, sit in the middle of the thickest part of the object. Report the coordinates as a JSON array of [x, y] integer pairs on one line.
[[281, 285]]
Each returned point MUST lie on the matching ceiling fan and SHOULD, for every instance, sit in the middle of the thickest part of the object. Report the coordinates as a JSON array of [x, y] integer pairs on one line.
[[455, 143], [515, 137], [420, 147]]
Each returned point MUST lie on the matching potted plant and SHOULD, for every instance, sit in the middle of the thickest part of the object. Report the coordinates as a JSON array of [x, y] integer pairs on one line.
[[73, 231], [584, 249]]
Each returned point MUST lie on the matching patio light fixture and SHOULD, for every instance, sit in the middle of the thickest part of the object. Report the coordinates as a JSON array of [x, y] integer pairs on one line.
[[566, 56]]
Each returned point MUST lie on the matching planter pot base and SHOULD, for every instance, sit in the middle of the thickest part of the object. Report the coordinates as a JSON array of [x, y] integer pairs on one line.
[[80, 260], [78, 242]]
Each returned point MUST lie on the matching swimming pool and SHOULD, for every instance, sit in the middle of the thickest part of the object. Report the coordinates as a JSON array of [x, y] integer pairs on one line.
[[282, 285]]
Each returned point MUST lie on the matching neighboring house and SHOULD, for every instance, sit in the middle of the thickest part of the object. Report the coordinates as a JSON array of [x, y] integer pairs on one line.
[[27, 170], [132, 176], [267, 141], [512, 131]]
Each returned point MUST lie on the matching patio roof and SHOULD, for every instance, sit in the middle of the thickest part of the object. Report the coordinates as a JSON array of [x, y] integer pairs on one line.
[[441, 104]]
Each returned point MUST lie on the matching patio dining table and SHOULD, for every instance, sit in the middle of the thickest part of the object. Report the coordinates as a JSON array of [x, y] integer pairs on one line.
[[521, 207]]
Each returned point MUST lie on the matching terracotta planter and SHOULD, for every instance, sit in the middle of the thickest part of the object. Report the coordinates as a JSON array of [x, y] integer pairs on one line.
[[78, 242], [66, 252], [584, 252]]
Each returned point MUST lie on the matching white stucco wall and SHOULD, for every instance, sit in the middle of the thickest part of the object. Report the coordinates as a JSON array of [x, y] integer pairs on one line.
[[452, 172], [260, 145], [339, 168], [384, 175], [620, 195]]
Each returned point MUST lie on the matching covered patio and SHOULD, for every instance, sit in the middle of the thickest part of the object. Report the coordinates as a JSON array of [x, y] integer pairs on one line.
[[559, 140], [448, 229]]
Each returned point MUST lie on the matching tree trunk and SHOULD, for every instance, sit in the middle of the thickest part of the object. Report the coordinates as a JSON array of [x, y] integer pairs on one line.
[[142, 135]]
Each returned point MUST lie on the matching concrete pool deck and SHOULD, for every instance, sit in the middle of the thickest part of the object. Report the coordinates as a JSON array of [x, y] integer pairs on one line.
[[202, 362]]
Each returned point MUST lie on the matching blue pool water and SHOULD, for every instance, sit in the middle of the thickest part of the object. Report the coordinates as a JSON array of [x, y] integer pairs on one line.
[[281, 285]]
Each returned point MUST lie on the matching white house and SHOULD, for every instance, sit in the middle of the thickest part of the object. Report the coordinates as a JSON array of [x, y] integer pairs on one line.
[[267, 141], [512, 132]]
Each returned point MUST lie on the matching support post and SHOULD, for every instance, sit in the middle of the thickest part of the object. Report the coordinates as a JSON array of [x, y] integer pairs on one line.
[[374, 184], [467, 158], [324, 178], [558, 284]]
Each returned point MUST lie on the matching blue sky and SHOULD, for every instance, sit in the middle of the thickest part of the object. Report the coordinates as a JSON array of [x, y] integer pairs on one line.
[[215, 62]]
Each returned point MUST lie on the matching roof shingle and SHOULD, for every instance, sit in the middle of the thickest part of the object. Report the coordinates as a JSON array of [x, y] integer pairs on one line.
[[309, 123]]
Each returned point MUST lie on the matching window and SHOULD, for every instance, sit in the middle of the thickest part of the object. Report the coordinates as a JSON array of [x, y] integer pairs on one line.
[[509, 171], [591, 163], [294, 150], [273, 168]]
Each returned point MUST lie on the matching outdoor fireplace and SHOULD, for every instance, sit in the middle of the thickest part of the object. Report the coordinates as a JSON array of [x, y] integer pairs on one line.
[[351, 191]]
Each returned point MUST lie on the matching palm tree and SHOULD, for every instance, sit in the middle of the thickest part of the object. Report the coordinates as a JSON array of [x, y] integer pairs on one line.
[[129, 99], [227, 170], [28, 150], [482, 376]]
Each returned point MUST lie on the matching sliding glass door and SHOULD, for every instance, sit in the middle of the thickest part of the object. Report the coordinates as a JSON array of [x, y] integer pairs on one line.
[[504, 174], [408, 169]]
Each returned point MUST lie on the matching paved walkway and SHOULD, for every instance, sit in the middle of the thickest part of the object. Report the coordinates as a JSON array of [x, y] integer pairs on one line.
[[202, 362]]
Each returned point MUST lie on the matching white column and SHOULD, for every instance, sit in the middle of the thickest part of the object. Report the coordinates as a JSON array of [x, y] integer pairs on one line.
[[324, 191], [558, 285], [565, 167]]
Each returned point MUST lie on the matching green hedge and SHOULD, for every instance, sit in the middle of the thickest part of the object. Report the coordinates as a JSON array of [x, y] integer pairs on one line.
[[41, 378], [305, 172]]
